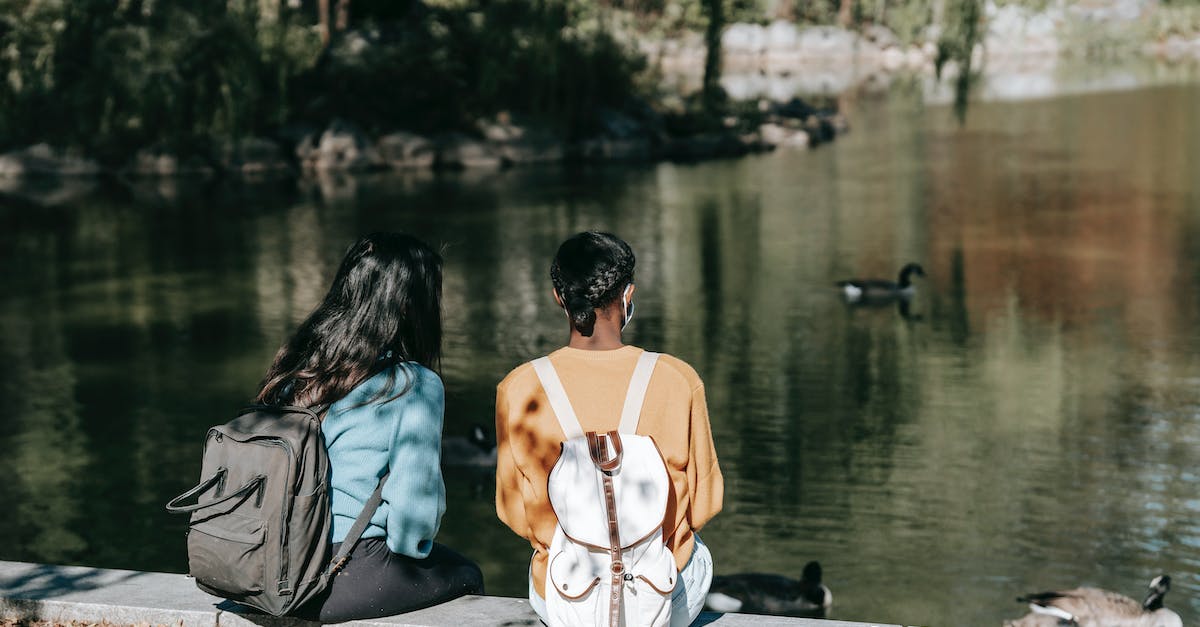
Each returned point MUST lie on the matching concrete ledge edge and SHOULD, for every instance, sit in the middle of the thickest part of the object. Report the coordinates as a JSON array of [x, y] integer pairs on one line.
[[42, 592]]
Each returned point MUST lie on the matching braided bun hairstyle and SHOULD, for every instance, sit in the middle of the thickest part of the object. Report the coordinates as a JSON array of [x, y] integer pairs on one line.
[[590, 271]]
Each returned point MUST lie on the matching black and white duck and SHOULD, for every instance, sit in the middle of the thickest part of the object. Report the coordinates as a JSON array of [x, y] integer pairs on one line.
[[478, 450], [1093, 607], [755, 593], [880, 291]]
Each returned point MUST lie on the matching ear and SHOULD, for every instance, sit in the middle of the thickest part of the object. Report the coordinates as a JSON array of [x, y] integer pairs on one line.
[[632, 289], [557, 298]]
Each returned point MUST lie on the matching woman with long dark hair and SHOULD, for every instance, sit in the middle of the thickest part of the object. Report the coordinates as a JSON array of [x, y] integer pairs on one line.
[[592, 275], [366, 358]]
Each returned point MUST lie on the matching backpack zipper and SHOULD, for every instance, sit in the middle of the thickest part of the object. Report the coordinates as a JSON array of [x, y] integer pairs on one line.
[[285, 587]]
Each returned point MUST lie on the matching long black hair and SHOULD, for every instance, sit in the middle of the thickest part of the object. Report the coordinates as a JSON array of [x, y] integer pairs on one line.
[[383, 308], [590, 271]]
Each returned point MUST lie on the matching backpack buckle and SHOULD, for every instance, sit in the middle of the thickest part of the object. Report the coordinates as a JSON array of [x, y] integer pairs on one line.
[[339, 565]]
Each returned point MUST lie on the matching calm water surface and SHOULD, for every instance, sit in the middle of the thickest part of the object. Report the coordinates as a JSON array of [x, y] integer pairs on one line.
[[1034, 423]]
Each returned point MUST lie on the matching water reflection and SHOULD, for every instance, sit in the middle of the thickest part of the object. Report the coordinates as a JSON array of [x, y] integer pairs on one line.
[[1030, 423]]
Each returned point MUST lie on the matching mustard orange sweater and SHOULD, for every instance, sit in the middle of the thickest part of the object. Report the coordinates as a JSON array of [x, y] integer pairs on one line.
[[528, 439]]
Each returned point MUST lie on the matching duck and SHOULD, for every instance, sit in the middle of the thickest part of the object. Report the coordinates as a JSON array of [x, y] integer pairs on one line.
[[1093, 607], [879, 291], [478, 450], [757, 593]]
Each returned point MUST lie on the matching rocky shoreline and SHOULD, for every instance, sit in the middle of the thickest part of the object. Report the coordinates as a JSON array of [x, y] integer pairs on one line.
[[341, 147]]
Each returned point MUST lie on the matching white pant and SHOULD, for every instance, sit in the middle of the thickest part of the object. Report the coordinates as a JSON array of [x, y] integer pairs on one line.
[[686, 600]]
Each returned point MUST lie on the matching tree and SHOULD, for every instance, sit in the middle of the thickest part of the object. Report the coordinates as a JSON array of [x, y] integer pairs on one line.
[[341, 19], [713, 95]]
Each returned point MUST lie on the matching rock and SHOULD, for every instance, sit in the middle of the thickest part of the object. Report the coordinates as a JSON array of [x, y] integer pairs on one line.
[[773, 134], [340, 148], [753, 142], [781, 35], [777, 135], [744, 39], [457, 151], [253, 155], [533, 148], [41, 193], [44, 160], [402, 151], [1016, 30], [826, 41], [517, 144], [501, 131], [158, 161], [915, 58], [893, 59]]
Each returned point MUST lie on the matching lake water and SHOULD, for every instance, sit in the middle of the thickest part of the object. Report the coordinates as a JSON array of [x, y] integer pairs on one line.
[[1033, 423]]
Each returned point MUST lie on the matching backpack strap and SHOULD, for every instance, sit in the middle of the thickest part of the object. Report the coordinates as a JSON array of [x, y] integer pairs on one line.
[[359, 526], [631, 413], [558, 397]]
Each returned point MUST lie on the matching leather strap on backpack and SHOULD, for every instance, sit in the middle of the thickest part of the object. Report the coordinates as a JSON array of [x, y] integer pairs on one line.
[[606, 464], [360, 525]]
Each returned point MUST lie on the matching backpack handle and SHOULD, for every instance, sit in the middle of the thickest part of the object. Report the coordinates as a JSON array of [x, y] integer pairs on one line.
[[598, 447], [176, 506]]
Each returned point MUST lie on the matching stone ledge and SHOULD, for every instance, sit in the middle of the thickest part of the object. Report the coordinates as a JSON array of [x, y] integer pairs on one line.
[[63, 594]]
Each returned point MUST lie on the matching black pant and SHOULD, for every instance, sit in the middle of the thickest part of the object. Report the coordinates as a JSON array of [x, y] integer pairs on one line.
[[377, 582]]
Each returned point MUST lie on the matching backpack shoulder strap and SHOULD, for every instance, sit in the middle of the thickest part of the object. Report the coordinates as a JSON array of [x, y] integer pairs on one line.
[[631, 413], [558, 397], [359, 526]]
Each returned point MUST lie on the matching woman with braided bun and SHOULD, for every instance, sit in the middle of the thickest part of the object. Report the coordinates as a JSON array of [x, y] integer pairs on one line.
[[592, 275]]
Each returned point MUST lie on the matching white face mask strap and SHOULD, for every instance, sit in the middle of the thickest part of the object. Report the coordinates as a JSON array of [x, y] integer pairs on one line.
[[627, 307]]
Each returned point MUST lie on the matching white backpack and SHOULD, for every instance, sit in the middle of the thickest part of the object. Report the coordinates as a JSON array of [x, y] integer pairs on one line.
[[608, 563]]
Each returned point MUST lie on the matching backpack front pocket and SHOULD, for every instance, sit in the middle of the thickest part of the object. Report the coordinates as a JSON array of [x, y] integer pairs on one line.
[[574, 571], [226, 554], [575, 594], [654, 580]]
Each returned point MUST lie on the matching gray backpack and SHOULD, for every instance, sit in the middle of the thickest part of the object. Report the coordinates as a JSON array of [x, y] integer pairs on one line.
[[260, 527]]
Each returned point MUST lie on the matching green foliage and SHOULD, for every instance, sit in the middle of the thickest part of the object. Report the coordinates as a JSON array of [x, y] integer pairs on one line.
[[1036, 6], [110, 76], [673, 17], [107, 74], [909, 20], [457, 61]]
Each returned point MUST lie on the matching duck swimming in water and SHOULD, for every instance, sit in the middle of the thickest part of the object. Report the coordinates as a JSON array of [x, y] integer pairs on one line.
[[755, 593], [880, 291], [1093, 607]]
